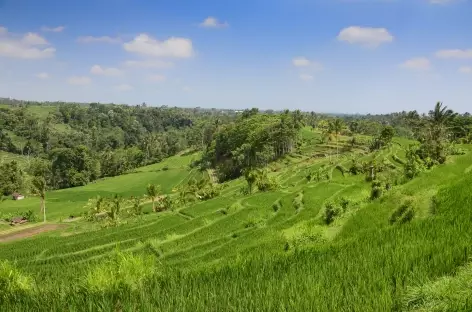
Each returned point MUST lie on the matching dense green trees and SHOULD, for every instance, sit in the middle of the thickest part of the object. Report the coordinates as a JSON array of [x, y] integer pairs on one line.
[[84, 142], [252, 142], [11, 178]]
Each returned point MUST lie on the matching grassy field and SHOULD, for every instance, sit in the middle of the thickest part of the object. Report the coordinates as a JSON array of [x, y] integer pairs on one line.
[[66, 202], [266, 251]]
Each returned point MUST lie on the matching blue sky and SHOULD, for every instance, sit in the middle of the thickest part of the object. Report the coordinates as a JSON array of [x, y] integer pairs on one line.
[[351, 56]]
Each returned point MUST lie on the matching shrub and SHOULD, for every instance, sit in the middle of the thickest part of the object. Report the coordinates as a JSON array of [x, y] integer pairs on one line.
[[304, 235], [356, 168], [377, 189], [429, 162], [453, 149], [268, 184], [414, 165], [244, 190], [165, 203], [277, 205], [344, 202], [330, 213], [137, 207], [207, 190], [30, 216]]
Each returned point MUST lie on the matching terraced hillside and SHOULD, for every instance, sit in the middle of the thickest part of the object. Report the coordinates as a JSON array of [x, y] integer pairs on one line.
[[202, 232], [235, 228]]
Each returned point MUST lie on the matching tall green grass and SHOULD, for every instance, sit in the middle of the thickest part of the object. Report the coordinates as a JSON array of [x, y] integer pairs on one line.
[[366, 272]]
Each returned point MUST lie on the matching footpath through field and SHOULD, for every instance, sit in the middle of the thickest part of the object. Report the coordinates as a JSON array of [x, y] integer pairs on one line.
[[28, 232]]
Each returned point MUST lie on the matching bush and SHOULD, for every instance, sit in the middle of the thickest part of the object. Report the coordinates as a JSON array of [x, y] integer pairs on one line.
[[277, 205], [377, 189], [453, 149], [330, 213], [356, 168], [30, 216], [245, 190], [344, 202], [267, 184], [414, 165], [165, 203]]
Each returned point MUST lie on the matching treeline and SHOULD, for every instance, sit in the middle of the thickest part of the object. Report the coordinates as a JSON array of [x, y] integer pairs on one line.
[[410, 124], [82, 143]]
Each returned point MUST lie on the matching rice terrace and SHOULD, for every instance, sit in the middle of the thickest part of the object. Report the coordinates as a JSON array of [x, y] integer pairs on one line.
[[197, 202]]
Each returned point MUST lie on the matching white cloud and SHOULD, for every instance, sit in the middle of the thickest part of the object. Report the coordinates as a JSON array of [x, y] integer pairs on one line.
[[79, 80], [186, 89], [149, 64], [157, 78], [103, 71], [123, 87], [465, 70], [33, 39], [212, 22], [419, 63], [306, 77], [28, 46], [172, 47], [454, 53], [103, 39], [301, 61], [42, 75], [53, 29], [366, 36]]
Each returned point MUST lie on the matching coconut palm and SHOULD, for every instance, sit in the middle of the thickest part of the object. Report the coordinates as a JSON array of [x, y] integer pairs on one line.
[[39, 188], [153, 192], [336, 126], [439, 119]]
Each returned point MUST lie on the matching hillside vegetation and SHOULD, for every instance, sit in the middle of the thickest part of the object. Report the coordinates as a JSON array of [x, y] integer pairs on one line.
[[268, 212]]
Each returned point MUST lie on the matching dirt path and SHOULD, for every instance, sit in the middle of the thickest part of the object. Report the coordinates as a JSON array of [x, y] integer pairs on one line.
[[28, 232]]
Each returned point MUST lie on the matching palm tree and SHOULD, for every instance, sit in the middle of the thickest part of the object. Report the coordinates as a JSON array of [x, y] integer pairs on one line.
[[115, 207], [298, 119], [439, 118], [39, 188], [336, 126], [153, 193]]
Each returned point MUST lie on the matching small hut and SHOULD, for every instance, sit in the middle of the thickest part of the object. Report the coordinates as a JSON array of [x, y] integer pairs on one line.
[[18, 220], [17, 196]]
